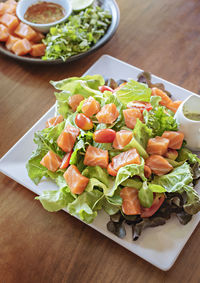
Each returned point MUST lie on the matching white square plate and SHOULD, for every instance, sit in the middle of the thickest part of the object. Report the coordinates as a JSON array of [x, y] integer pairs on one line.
[[161, 245]]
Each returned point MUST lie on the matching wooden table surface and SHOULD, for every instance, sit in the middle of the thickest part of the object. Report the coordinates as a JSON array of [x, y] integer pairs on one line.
[[162, 37]]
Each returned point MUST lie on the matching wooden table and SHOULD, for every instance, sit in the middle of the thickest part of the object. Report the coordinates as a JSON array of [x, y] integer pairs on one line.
[[162, 37]]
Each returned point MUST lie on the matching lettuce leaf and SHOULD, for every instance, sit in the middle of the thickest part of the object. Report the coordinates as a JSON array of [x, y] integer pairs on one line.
[[125, 173], [133, 91], [97, 173], [86, 205], [86, 86], [55, 200], [135, 144], [185, 154], [176, 179], [145, 195], [192, 205], [159, 121], [142, 133]]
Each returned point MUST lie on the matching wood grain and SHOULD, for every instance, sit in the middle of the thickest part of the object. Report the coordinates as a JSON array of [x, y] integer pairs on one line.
[[162, 37]]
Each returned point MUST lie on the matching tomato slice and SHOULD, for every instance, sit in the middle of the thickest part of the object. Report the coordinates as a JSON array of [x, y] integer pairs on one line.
[[141, 105], [105, 88], [147, 212], [83, 122], [65, 160]]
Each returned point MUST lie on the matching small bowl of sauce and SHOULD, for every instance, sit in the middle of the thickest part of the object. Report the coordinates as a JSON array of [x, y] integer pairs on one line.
[[188, 117], [41, 15]]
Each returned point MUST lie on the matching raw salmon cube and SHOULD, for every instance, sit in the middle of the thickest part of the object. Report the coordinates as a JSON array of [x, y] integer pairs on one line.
[[2, 8], [21, 47], [75, 180], [130, 201], [3, 33], [171, 154], [158, 164], [25, 31], [54, 121], [75, 100], [10, 21], [165, 99], [38, 37], [122, 138], [108, 114], [131, 115], [174, 105], [157, 145], [38, 50], [130, 156], [111, 171], [10, 8], [51, 161], [96, 157], [11, 41], [90, 107], [175, 139], [67, 138]]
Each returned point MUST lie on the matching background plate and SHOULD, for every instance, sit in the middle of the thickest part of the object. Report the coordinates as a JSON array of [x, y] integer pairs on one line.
[[160, 245], [109, 5]]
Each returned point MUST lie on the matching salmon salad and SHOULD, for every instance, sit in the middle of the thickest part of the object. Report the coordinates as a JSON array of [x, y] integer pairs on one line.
[[114, 145]]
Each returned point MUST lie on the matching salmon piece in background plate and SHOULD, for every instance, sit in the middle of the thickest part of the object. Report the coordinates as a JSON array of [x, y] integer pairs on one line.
[[157, 145], [96, 157], [25, 31], [4, 33], [54, 121], [75, 180], [38, 50], [67, 138], [51, 161], [131, 115], [11, 41], [130, 201], [108, 114], [21, 47], [130, 156], [165, 99], [122, 138], [175, 139], [10, 21], [158, 165], [75, 100], [90, 107]]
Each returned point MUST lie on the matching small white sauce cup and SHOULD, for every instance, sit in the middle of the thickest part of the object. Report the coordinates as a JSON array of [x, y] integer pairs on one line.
[[23, 5], [190, 128]]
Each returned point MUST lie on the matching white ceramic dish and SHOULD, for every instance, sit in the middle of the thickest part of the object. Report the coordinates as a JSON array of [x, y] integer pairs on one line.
[[161, 245], [23, 5], [190, 128]]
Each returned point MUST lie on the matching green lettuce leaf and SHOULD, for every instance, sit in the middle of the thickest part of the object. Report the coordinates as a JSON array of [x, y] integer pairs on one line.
[[176, 179], [154, 100], [133, 91], [142, 133], [86, 86], [86, 205], [185, 154], [132, 182], [145, 195], [55, 200], [94, 183], [109, 208], [159, 121], [125, 173], [135, 144], [192, 205], [97, 173]]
